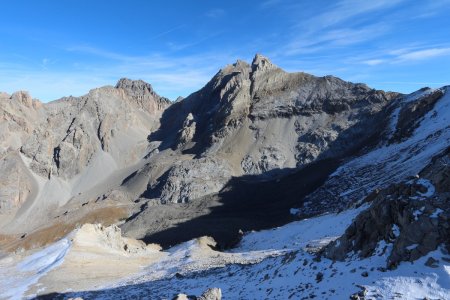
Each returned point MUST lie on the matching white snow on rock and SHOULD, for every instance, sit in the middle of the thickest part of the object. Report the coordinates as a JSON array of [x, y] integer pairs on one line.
[[436, 213], [276, 264], [430, 187], [396, 230], [394, 162]]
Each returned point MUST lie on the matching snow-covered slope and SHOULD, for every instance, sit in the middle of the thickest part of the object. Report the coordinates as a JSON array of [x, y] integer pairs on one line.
[[392, 160], [16, 277], [278, 263]]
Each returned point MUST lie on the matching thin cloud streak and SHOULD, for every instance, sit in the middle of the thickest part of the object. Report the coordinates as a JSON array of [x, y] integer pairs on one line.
[[423, 54], [167, 32], [170, 76], [405, 55], [215, 13], [345, 10]]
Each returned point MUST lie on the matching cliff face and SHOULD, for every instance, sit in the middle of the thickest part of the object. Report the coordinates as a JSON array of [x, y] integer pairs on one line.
[[65, 137]]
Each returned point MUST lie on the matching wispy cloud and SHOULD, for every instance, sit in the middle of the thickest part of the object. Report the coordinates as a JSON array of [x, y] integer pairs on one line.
[[45, 63], [167, 31], [343, 23], [269, 3], [404, 55], [344, 10], [183, 46], [412, 83], [373, 62], [87, 49], [432, 8], [423, 54], [170, 75], [215, 13], [331, 38]]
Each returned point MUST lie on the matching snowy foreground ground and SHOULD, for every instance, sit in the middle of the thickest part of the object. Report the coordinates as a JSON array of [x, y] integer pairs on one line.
[[270, 264]]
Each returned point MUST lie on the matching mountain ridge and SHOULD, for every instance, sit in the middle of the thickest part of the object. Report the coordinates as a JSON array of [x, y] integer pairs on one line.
[[255, 148]]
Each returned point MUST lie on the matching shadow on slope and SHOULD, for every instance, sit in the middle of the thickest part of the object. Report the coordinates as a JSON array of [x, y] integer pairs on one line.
[[248, 203], [256, 202]]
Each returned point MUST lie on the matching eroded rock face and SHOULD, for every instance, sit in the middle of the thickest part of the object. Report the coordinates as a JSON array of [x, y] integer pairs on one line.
[[107, 128], [400, 151], [191, 179], [269, 158], [411, 218], [143, 95], [18, 116], [16, 184], [113, 120], [252, 121], [247, 110], [187, 132], [97, 235]]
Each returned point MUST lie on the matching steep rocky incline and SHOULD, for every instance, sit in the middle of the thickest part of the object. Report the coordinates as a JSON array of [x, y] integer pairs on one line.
[[108, 119], [261, 120], [52, 152], [241, 112], [418, 128], [19, 114], [410, 219]]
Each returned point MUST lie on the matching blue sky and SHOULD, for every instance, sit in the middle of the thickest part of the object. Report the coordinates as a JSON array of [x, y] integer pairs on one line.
[[61, 48]]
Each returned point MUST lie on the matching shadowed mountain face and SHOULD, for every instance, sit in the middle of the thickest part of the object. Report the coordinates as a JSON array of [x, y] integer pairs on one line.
[[238, 154]]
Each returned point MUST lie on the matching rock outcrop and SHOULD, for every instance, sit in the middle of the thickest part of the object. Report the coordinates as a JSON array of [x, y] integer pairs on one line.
[[16, 183], [191, 179], [209, 294], [409, 219]]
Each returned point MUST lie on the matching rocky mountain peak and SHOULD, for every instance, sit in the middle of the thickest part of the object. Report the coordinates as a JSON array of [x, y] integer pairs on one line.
[[143, 94], [262, 63], [135, 87], [22, 97]]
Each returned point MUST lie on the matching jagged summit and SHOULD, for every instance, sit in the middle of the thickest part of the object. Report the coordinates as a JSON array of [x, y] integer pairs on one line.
[[259, 63], [262, 63], [135, 86], [143, 94]]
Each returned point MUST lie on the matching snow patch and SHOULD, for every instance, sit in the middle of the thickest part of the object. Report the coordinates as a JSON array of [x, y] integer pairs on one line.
[[436, 213], [430, 187], [294, 211], [396, 230], [17, 278]]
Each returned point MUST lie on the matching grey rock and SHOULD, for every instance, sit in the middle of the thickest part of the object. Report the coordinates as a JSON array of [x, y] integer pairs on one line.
[[191, 179], [16, 184], [73, 130], [432, 263], [211, 294]]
